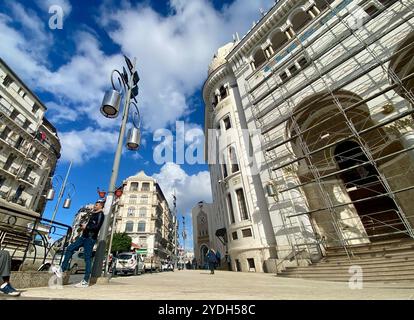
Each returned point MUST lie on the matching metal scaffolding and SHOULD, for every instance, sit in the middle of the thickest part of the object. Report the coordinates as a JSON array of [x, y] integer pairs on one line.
[[332, 135]]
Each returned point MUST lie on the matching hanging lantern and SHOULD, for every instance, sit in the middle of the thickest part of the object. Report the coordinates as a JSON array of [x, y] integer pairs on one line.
[[110, 104], [50, 194], [67, 203], [133, 139]]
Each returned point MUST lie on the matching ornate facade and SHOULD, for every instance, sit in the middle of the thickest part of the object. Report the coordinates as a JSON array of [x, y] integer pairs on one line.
[[143, 213], [29, 146], [329, 87]]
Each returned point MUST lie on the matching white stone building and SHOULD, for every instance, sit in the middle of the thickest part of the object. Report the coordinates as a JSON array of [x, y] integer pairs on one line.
[[206, 221], [143, 213], [329, 84], [29, 146]]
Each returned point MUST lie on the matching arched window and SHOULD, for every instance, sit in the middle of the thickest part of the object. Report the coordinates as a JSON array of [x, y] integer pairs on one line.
[[259, 58], [244, 215], [299, 20], [233, 159], [131, 212], [278, 40], [143, 212], [141, 226], [129, 226], [223, 92]]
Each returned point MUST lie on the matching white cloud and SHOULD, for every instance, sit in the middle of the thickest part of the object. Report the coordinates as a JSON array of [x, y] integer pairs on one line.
[[83, 145], [174, 51], [189, 189], [58, 113], [173, 54]]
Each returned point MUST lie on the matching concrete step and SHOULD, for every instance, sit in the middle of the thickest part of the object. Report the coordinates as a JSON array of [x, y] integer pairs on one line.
[[395, 270], [373, 251], [384, 244], [343, 278], [403, 256], [384, 267]]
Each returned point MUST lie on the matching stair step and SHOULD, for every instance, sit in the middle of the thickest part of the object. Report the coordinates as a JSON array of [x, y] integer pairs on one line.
[[388, 257], [385, 244], [399, 271], [408, 275], [408, 266], [365, 279], [371, 251]]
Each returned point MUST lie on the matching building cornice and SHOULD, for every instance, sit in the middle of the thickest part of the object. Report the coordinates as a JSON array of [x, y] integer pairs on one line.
[[261, 28]]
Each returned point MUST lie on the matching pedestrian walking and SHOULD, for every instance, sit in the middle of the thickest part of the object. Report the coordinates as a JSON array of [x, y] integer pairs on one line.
[[87, 242], [5, 268], [212, 260], [218, 256]]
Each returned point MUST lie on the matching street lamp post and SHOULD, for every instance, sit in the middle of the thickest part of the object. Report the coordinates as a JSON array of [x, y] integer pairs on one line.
[[110, 109], [51, 192]]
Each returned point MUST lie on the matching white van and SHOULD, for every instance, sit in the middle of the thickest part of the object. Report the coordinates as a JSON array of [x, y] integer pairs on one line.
[[129, 262]]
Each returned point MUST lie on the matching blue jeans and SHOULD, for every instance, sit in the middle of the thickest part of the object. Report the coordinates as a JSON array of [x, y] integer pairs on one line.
[[87, 244]]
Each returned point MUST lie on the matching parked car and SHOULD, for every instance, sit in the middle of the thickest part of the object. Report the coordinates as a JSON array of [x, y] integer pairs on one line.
[[153, 263], [129, 262]]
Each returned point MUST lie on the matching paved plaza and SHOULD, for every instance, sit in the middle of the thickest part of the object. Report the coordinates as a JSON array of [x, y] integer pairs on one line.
[[200, 285]]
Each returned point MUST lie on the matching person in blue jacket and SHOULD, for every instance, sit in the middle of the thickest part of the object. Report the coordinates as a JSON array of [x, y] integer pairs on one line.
[[212, 260]]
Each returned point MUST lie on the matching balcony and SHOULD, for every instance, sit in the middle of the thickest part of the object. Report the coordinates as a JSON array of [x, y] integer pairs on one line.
[[28, 180]]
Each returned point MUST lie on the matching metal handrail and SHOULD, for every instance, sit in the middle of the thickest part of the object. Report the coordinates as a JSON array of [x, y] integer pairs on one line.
[[25, 237]]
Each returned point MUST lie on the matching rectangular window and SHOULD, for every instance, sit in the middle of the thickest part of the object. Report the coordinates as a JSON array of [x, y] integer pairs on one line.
[[250, 262], [227, 123], [247, 233], [283, 76], [242, 204], [293, 69], [302, 62], [234, 235], [230, 204], [7, 81], [144, 199], [145, 186], [371, 10], [134, 186], [35, 108], [14, 114], [26, 124], [133, 199]]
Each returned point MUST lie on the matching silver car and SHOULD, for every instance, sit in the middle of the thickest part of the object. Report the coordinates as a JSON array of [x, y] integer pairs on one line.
[[129, 263]]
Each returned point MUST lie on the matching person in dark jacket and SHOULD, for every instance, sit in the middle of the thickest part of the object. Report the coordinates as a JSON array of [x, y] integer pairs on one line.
[[212, 260], [87, 241]]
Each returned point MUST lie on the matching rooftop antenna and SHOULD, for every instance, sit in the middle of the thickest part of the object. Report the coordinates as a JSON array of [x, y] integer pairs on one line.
[[237, 36]]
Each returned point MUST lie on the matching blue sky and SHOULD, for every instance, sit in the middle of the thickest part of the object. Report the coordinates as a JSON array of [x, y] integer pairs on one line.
[[69, 69]]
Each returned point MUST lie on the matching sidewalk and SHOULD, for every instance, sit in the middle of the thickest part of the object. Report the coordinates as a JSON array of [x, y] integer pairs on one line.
[[224, 285]]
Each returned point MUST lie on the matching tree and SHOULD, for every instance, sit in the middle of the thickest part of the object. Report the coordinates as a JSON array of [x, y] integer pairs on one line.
[[121, 242]]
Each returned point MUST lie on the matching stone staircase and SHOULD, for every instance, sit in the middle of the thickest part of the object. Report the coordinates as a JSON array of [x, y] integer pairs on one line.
[[387, 261]]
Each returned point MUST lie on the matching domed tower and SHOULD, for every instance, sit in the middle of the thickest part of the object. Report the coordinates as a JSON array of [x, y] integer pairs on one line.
[[237, 193]]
